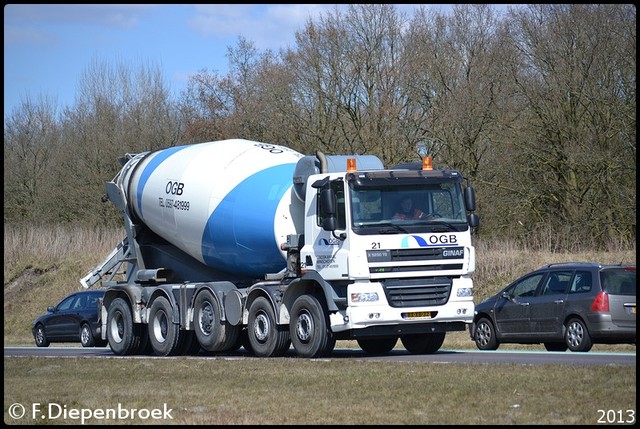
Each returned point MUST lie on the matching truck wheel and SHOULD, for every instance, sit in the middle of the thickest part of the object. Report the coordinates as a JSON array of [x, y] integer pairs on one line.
[[144, 345], [266, 338], [86, 337], [309, 329], [377, 346], [419, 344], [214, 335], [189, 345], [242, 341], [122, 335], [164, 335]]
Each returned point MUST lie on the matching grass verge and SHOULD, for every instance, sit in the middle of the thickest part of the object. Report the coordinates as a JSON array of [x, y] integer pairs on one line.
[[230, 391]]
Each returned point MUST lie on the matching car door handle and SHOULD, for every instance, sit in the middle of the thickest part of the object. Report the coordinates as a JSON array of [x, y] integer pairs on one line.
[[558, 301], [524, 304]]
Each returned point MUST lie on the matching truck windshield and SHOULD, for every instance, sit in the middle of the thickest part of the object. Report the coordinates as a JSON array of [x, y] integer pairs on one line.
[[424, 207]]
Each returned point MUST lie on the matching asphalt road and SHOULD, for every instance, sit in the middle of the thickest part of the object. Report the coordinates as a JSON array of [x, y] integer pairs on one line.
[[396, 355]]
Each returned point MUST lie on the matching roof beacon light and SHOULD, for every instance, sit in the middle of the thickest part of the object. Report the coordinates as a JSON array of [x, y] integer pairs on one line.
[[351, 165], [427, 163]]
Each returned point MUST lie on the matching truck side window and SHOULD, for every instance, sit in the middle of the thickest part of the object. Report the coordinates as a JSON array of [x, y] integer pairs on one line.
[[342, 223]]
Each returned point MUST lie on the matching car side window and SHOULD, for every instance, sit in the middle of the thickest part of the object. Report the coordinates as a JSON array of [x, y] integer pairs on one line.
[[526, 287], [556, 283], [66, 303], [92, 302], [80, 303], [582, 282]]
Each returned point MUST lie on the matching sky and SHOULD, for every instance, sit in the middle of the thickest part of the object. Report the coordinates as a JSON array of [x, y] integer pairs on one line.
[[48, 48]]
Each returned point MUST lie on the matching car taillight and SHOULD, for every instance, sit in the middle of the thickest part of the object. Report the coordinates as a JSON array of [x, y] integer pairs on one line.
[[601, 302]]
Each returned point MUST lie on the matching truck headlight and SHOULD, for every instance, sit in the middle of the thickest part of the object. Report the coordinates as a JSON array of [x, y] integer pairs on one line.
[[364, 297], [464, 291]]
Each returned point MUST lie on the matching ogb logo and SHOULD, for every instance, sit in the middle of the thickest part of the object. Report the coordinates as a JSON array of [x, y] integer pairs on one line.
[[430, 241], [328, 242]]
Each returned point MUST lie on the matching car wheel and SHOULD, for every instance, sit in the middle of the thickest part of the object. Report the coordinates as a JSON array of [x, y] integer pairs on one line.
[[577, 336], [86, 337], [41, 337], [485, 335], [555, 347]]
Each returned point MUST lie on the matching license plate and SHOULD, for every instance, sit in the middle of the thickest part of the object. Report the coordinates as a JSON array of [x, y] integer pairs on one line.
[[418, 315]]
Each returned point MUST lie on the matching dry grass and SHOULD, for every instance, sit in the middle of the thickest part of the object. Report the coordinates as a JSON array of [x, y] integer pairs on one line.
[[44, 264], [307, 391]]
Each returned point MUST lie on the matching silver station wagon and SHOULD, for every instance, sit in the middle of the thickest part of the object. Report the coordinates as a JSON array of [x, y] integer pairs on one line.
[[563, 306]]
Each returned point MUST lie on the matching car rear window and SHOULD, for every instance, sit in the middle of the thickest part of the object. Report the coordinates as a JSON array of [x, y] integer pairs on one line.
[[619, 281]]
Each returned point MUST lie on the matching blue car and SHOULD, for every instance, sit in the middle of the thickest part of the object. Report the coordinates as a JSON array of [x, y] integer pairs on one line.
[[74, 319]]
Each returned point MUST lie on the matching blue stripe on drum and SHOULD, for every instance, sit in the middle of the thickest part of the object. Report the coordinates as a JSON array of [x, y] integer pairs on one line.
[[239, 236], [158, 159]]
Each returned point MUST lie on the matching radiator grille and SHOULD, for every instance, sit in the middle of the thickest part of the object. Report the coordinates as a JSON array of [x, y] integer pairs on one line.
[[417, 292]]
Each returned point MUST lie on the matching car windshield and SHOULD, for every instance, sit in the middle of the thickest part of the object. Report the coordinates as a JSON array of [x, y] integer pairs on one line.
[[619, 281]]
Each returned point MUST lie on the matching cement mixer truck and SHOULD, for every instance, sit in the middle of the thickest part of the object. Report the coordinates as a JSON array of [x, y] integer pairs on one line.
[[238, 243]]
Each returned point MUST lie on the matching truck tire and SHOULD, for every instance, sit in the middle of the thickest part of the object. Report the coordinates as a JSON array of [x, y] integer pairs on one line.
[[122, 334], [214, 335], [242, 341], [144, 345], [164, 335], [377, 346], [189, 344], [309, 329], [266, 338], [420, 344]]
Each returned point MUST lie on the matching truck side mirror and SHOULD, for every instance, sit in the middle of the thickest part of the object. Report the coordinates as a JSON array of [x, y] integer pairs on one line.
[[470, 198], [328, 209], [473, 220]]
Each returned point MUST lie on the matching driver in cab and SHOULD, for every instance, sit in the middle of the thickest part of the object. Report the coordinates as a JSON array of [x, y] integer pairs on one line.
[[408, 211]]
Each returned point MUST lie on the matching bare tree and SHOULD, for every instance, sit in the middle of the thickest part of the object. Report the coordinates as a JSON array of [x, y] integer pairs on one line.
[[118, 110], [204, 107], [350, 94], [31, 136], [575, 76], [537, 106]]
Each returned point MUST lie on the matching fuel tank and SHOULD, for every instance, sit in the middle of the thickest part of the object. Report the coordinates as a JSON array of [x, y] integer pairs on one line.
[[229, 204]]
